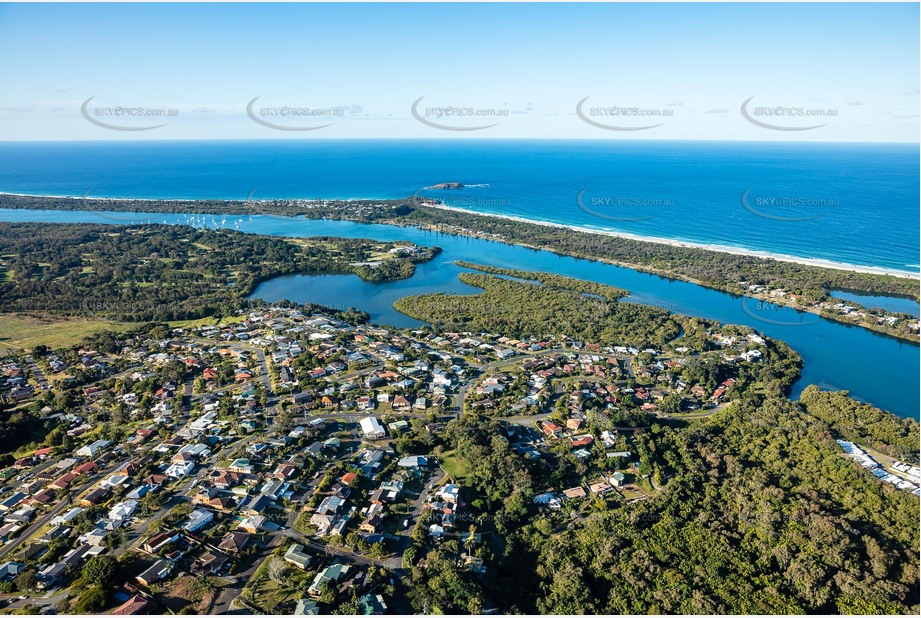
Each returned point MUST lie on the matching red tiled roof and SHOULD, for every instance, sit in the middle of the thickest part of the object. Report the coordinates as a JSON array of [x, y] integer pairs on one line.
[[85, 467], [234, 541], [135, 605]]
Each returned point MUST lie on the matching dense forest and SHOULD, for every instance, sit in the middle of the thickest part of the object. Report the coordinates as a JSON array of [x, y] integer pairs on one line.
[[552, 281], [719, 270], [864, 424], [762, 515], [160, 272], [712, 268], [519, 308]]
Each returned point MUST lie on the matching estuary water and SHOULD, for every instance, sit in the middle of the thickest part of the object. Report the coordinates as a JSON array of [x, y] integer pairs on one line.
[[875, 368], [851, 203]]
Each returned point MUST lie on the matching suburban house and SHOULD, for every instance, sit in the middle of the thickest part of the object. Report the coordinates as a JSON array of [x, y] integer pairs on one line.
[[8, 570], [136, 605], [210, 563], [160, 541], [90, 450], [372, 428], [14, 499], [372, 605], [449, 493], [297, 556], [401, 403], [234, 542], [254, 523], [198, 519], [574, 493], [330, 575], [413, 461], [327, 511], [243, 466], [157, 571], [307, 607], [550, 428]]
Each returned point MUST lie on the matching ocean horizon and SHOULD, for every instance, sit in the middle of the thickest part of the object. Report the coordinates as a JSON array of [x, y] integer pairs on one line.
[[829, 202]]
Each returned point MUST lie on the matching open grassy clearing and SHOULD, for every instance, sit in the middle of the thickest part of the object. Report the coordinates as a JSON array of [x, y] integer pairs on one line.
[[25, 331]]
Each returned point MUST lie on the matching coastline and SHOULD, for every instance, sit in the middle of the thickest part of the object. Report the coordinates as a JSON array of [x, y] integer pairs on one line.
[[732, 250], [303, 209], [780, 257]]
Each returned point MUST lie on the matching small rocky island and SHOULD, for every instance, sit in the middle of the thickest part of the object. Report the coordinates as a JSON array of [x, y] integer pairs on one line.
[[447, 185]]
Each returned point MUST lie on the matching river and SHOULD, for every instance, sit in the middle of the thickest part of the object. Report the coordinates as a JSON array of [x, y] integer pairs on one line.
[[878, 369]]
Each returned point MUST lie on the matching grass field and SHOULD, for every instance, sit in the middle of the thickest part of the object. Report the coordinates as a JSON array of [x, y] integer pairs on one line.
[[206, 322], [454, 466], [273, 597], [24, 331]]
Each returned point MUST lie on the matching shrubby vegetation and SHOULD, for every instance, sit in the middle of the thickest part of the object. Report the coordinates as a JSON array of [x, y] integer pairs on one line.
[[517, 308], [712, 268], [709, 267], [560, 306], [864, 424], [499, 475], [553, 281], [159, 272], [722, 271], [760, 513], [762, 516], [441, 588], [18, 428]]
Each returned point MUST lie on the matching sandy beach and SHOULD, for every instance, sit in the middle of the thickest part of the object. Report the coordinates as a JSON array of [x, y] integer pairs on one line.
[[875, 270], [780, 257]]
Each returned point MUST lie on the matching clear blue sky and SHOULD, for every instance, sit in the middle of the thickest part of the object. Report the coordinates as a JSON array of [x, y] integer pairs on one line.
[[534, 61]]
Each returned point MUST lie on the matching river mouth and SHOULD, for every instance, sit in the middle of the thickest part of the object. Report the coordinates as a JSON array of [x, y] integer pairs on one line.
[[875, 368]]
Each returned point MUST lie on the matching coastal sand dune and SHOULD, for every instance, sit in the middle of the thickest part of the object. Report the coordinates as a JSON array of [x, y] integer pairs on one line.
[[780, 257], [875, 270]]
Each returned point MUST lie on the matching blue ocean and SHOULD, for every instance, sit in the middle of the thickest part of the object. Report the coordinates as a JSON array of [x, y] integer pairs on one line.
[[846, 203], [851, 203]]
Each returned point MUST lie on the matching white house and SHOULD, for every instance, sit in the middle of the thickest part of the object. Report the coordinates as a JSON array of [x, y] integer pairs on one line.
[[198, 519], [372, 428], [90, 450], [449, 493], [195, 450], [122, 511], [177, 470], [66, 517], [414, 461], [549, 500], [95, 537]]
